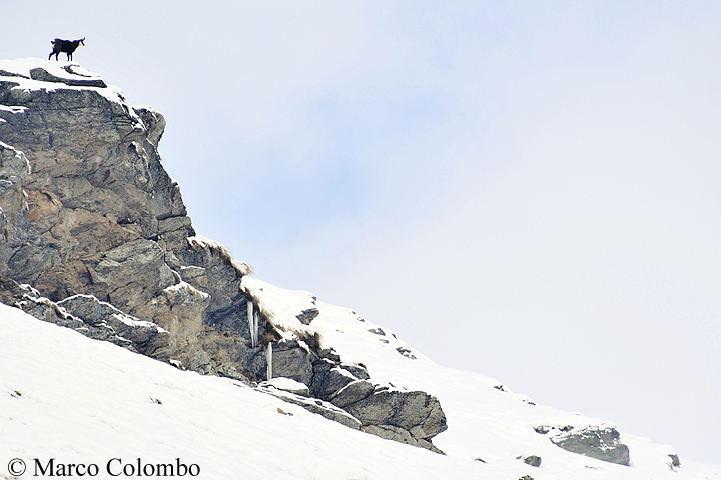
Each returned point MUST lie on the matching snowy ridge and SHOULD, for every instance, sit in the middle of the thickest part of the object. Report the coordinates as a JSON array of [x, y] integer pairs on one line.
[[36, 74], [21, 70], [485, 419]]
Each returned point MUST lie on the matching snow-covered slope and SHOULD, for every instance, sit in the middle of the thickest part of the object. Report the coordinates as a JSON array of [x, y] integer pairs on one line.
[[66, 397], [76, 400]]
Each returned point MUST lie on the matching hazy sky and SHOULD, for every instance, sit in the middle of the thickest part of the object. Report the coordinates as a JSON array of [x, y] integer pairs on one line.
[[529, 190]]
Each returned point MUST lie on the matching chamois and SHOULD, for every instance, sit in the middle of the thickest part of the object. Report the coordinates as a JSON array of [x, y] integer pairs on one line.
[[65, 46]]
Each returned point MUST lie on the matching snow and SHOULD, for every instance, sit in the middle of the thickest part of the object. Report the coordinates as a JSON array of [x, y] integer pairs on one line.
[[77, 400], [19, 71]]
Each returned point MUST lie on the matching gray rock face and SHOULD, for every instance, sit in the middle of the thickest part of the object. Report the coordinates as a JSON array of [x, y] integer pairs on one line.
[[88, 209], [329, 378], [602, 443], [290, 360], [131, 274]]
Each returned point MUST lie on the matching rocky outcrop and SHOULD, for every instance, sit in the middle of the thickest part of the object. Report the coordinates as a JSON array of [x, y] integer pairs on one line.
[[411, 417], [94, 236], [89, 210]]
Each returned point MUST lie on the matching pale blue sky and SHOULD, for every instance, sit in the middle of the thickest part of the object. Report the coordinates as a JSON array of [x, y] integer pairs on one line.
[[529, 190]]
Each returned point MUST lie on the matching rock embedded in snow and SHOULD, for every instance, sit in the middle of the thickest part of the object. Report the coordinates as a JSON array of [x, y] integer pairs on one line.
[[74, 79], [600, 442], [357, 370], [307, 316], [91, 317], [147, 338], [402, 409], [406, 352]]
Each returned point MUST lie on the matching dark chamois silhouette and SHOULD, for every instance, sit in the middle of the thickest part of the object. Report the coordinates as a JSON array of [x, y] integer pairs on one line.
[[66, 46]]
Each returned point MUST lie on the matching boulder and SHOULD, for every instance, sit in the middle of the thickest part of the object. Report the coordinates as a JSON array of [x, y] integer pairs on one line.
[[307, 316], [600, 442], [416, 411]]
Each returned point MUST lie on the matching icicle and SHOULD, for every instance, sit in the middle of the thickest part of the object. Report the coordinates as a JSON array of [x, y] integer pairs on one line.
[[256, 317], [269, 361], [252, 326]]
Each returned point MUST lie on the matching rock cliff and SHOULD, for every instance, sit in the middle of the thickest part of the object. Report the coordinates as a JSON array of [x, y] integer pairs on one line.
[[94, 236]]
